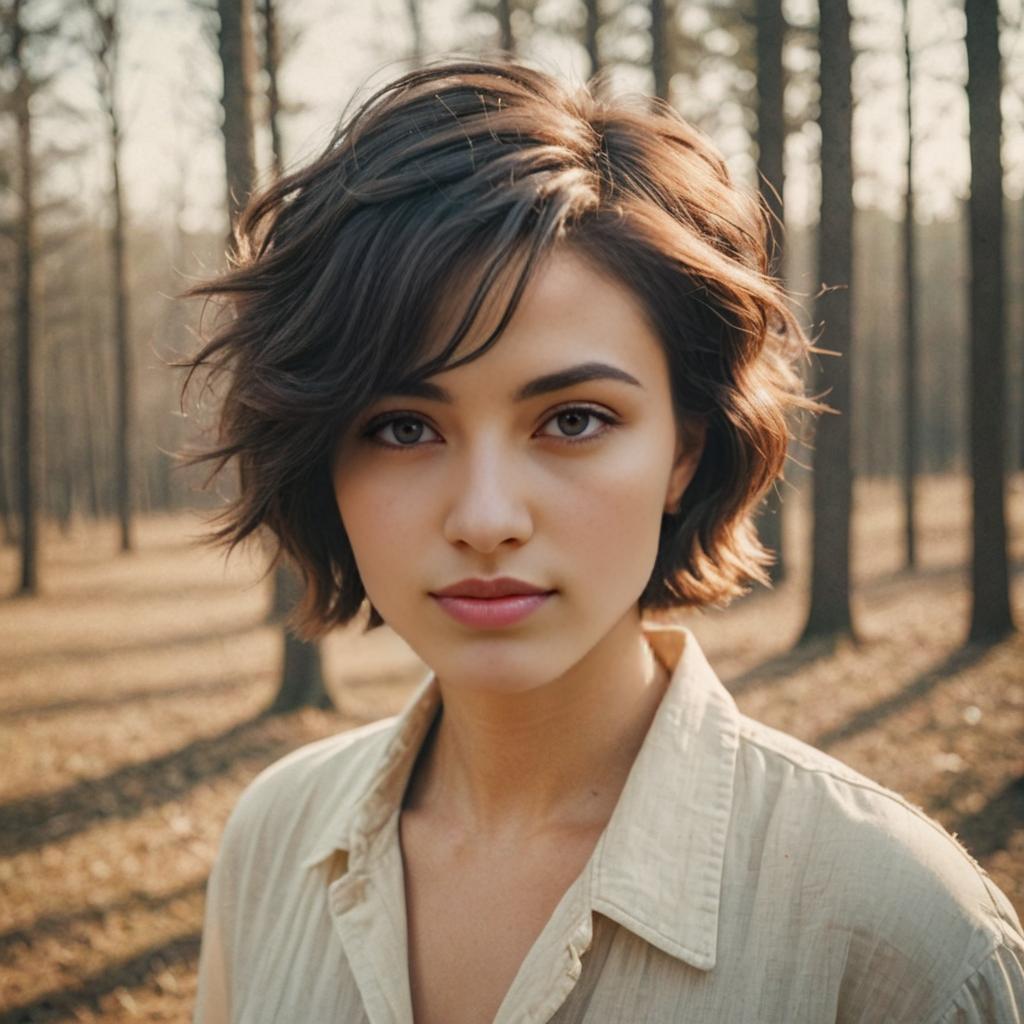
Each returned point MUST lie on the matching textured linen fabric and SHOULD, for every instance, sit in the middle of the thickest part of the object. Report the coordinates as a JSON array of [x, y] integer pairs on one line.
[[743, 876]]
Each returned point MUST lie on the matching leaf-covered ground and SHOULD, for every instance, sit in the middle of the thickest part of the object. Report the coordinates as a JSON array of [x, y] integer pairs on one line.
[[130, 717]]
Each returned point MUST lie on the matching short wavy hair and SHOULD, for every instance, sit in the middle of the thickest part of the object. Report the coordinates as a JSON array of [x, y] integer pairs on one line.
[[472, 170]]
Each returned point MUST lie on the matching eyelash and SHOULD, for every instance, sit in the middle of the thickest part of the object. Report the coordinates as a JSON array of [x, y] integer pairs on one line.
[[378, 423]]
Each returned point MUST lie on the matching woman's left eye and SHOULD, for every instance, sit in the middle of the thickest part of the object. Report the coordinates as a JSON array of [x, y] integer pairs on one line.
[[573, 421]]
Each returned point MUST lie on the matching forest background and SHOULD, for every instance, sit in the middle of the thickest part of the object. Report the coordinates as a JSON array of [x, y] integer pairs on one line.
[[144, 681]]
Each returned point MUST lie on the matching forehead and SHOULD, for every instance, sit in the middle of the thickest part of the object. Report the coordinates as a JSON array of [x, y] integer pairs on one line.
[[569, 310]]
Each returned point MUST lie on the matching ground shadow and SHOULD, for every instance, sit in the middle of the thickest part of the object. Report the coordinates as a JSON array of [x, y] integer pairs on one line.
[[782, 666], [989, 829], [74, 596], [221, 682], [165, 645], [962, 658], [125, 793], [60, 924], [953, 573], [60, 1004]]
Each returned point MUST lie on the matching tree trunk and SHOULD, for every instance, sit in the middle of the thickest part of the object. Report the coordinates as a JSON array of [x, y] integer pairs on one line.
[[125, 367], [6, 512], [590, 30], [24, 306], [506, 39], [302, 682], [416, 29], [62, 458], [272, 59], [236, 57], [911, 454], [990, 611], [659, 48], [107, 22], [771, 144], [829, 614]]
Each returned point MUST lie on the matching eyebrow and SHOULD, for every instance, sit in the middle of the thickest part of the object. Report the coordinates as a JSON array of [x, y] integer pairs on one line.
[[582, 373]]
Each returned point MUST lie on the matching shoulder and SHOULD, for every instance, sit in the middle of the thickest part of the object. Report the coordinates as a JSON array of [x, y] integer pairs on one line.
[[295, 799], [885, 874]]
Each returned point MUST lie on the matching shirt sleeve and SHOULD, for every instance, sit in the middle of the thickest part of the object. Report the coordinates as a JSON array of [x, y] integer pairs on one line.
[[994, 993], [213, 1004]]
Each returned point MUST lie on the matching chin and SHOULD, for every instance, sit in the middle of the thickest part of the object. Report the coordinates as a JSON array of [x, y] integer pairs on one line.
[[491, 663]]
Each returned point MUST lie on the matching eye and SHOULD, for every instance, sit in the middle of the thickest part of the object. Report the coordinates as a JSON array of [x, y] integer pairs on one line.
[[574, 420], [406, 431]]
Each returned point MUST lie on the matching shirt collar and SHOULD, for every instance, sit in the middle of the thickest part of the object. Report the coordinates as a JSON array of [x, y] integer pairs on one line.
[[657, 869]]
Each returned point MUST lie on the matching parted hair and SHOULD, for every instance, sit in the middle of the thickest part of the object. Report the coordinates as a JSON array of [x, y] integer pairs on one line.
[[471, 171]]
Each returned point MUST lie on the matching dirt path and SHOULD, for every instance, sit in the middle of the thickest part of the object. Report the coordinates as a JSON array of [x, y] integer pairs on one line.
[[130, 700]]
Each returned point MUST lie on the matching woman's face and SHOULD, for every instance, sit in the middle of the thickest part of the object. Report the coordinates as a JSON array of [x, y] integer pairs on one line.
[[510, 472]]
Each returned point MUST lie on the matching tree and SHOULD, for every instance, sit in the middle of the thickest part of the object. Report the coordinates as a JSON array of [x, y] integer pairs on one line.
[[301, 678], [990, 586], [771, 145], [830, 614], [660, 33], [302, 682], [105, 16], [271, 63], [234, 43], [911, 445], [416, 26], [591, 27], [506, 37], [25, 84]]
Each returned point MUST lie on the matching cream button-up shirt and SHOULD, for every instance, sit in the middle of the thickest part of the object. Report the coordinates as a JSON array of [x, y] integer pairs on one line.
[[743, 876]]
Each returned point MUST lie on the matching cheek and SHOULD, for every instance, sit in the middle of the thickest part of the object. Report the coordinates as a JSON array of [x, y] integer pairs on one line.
[[611, 516], [377, 517]]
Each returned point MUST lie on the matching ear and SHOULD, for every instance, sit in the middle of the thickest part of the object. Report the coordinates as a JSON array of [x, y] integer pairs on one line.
[[689, 448]]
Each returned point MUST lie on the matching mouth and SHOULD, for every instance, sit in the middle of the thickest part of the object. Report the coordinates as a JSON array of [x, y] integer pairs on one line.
[[492, 612], [491, 603]]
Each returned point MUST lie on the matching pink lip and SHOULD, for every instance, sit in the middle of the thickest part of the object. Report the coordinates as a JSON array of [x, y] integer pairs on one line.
[[491, 612], [500, 586]]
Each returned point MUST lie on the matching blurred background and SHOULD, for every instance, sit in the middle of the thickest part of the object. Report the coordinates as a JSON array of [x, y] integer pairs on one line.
[[144, 680]]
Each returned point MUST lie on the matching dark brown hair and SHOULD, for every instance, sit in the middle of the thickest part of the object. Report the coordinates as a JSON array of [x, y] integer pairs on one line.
[[478, 168]]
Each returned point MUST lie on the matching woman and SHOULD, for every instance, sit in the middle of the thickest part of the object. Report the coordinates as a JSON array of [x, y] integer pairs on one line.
[[507, 366]]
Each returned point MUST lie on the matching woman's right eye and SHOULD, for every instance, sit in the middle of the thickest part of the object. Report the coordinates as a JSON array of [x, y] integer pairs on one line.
[[405, 431]]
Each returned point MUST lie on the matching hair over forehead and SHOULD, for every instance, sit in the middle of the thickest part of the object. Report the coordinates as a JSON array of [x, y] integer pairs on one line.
[[436, 201]]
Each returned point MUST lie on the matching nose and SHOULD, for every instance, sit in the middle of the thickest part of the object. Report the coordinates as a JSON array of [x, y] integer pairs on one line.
[[487, 506]]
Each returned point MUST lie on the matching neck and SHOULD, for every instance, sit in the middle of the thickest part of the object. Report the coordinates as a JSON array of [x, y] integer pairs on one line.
[[554, 757]]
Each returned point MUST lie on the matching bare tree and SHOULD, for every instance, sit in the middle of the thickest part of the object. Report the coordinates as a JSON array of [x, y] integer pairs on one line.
[[302, 682], [830, 614], [911, 445], [412, 7], [771, 144], [105, 16], [506, 38], [25, 84], [659, 30], [302, 679], [271, 63], [990, 586], [235, 46], [591, 27]]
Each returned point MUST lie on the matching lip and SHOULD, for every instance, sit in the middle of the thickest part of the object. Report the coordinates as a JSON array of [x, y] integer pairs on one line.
[[490, 604], [501, 586], [492, 612]]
